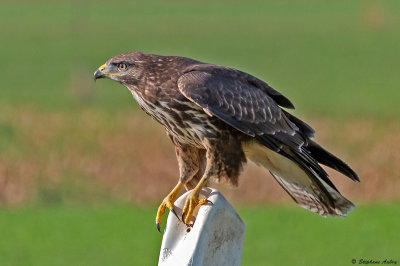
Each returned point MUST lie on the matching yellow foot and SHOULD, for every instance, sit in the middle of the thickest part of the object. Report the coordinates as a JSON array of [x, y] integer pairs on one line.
[[168, 202], [192, 201]]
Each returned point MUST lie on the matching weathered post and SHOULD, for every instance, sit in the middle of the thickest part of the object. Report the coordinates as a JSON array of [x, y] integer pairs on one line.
[[215, 238]]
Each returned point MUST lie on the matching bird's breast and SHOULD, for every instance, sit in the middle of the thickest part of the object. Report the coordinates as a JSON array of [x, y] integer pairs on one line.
[[184, 120]]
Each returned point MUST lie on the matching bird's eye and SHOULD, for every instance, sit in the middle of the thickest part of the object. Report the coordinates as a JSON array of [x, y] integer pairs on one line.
[[122, 67]]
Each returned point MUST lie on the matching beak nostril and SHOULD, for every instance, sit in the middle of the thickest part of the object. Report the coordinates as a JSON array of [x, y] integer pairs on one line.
[[102, 67]]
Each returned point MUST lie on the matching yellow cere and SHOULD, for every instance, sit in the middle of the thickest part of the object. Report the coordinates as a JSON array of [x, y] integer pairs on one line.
[[103, 67]]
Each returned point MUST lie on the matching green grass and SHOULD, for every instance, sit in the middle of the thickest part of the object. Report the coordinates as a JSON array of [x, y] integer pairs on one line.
[[78, 236], [123, 235], [329, 57]]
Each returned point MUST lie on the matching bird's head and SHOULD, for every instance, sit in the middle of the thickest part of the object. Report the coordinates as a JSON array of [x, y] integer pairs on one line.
[[124, 68]]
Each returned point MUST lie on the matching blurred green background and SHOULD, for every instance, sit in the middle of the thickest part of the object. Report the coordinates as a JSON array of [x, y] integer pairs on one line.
[[76, 185]]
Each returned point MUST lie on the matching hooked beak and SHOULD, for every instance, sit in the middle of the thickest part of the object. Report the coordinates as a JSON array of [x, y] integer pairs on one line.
[[99, 73]]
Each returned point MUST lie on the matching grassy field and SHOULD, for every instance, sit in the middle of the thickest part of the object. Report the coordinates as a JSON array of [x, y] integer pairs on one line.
[[123, 235], [94, 155], [336, 60], [321, 54]]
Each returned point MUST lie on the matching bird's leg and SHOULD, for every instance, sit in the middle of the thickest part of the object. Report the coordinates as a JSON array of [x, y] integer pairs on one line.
[[168, 202], [188, 166], [192, 199]]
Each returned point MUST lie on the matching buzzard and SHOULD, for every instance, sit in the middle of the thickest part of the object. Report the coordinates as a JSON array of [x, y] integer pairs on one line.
[[218, 117]]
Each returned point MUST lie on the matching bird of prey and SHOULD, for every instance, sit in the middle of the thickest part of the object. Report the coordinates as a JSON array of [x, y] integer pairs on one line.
[[218, 117]]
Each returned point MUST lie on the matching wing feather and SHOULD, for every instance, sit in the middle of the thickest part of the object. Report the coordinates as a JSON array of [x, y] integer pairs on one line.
[[235, 99], [253, 107]]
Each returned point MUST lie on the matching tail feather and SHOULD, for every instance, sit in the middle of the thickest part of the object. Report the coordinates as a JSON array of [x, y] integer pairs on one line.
[[328, 159], [306, 186], [311, 199], [317, 152]]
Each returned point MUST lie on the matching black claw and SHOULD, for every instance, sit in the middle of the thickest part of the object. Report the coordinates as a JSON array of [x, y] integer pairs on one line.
[[209, 201], [183, 217], [176, 215], [158, 227]]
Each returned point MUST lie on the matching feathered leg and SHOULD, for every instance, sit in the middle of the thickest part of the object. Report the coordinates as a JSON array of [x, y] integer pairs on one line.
[[192, 200], [188, 160]]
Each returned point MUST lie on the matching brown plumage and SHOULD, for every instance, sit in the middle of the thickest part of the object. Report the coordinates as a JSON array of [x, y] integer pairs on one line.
[[217, 117]]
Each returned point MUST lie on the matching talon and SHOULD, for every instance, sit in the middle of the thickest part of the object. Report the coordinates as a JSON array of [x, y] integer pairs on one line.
[[204, 201], [174, 212], [168, 202], [192, 201], [158, 227]]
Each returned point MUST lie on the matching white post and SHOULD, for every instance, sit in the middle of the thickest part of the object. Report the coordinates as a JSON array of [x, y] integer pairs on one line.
[[216, 237]]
